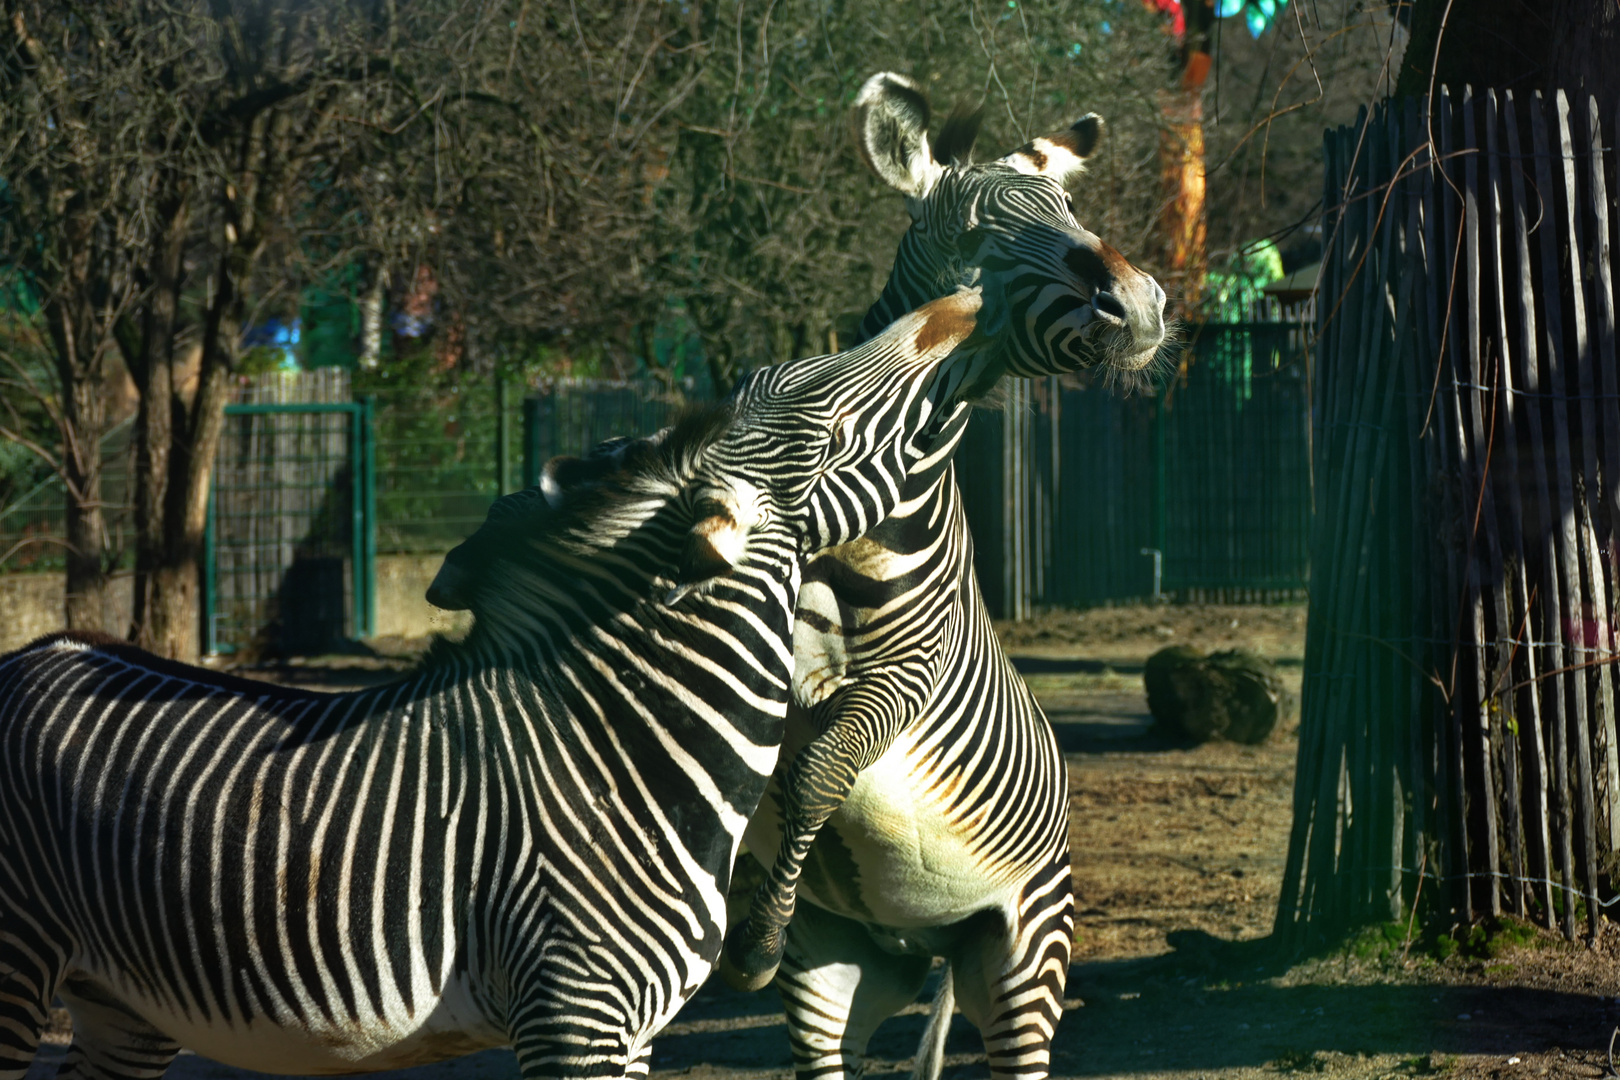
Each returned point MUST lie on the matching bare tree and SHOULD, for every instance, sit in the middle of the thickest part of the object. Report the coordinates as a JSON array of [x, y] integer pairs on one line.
[[70, 219], [176, 171]]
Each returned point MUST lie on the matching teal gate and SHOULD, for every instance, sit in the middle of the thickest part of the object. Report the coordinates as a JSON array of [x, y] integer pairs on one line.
[[290, 548]]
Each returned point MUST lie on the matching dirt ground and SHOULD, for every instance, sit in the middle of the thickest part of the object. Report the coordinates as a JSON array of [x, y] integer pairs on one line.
[[1178, 856]]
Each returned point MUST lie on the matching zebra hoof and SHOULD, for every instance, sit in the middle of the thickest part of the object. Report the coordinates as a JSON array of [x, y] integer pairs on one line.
[[749, 965]]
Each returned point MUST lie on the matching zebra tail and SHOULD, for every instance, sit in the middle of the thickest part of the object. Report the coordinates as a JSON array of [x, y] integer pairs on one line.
[[931, 1051]]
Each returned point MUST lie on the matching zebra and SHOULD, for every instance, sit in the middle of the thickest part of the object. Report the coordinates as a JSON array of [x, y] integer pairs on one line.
[[922, 804], [528, 841], [908, 723]]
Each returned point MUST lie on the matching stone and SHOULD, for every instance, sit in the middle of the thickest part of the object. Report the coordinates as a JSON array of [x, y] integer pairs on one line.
[[1232, 695]]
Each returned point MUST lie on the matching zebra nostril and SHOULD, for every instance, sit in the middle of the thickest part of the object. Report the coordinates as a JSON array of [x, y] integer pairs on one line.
[[1107, 305]]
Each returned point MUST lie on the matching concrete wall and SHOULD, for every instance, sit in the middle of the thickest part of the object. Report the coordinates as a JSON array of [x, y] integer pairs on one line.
[[31, 604], [402, 607]]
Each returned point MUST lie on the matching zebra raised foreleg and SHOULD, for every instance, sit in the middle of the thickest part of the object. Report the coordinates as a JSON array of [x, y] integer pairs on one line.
[[866, 717]]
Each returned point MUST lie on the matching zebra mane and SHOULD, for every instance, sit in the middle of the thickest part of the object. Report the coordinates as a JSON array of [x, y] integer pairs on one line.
[[645, 469]]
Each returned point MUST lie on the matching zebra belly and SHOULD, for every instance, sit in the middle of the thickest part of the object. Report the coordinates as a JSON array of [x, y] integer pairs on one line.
[[448, 1026], [895, 853]]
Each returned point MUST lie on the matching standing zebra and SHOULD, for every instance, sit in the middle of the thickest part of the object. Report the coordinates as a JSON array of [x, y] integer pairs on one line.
[[527, 842], [922, 801], [913, 747]]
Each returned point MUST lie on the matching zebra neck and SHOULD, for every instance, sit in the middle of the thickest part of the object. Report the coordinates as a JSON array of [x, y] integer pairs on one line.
[[709, 674], [913, 282]]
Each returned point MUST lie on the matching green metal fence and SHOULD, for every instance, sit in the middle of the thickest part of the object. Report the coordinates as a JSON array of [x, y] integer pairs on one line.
[[443, 455], [289, 561], [1070, 488], [570, 416], [1078, 495], [1236, 479]]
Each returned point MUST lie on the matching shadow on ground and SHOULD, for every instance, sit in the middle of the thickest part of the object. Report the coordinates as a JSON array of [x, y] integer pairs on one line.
[[1157, 1016]]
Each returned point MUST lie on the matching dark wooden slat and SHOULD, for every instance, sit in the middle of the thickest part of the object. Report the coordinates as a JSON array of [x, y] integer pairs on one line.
[[1600, 251], [1290, 918], [1560, 521], [1417, 578], [1512, 585], [1320, 768], [1478, 504], [1591, 604], [1542, 854], [1445, 256], [1448, 820]]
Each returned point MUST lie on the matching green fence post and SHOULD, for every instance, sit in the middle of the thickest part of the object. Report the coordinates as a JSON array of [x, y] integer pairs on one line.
[[503, 438], [209, 581], [1160, 479], [368, 435], [357, 522], [531, 441]]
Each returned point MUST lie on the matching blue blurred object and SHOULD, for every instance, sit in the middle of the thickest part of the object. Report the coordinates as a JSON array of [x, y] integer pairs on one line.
[[281, 335], [1257, 13]]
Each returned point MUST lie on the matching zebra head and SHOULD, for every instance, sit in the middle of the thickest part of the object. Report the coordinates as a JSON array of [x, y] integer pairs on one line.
[[1075, 301], [804, 456]]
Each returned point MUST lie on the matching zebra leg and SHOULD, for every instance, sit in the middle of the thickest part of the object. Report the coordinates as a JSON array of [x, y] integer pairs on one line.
[[30, 971], [109, 1041], [837, 986], [1010, 970], [868, 713]]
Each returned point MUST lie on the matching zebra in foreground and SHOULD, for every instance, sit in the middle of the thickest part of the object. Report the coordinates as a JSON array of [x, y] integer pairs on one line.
[[527, 842], [924, 793]]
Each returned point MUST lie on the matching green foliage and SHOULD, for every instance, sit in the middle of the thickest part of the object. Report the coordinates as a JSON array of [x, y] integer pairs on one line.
[[1238, 282], [1488, 939], [259, 360]]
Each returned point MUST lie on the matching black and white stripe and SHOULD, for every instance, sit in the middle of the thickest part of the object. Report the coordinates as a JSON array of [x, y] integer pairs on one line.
[[923, 811], [528, 841]]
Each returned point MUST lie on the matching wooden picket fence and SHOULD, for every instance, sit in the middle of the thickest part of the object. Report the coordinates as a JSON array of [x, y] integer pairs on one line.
[[1458, 748]]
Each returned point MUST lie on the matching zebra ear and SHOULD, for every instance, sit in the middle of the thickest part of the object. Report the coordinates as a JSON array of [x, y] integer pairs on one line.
[[718, 540], [1062, 154], [891, 114], [713, 546], [565, 473]]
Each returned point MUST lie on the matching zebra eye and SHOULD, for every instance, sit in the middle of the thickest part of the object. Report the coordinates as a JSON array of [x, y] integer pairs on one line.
[[1069, 199]]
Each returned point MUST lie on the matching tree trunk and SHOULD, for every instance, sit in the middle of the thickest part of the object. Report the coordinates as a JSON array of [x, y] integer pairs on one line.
[[372, 307], [155, 430], [89, 602], [1182, 229], [81, 373], [1181, 220], [1515, 45]]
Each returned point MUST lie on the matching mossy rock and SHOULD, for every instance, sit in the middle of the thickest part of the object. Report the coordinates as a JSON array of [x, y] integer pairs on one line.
[[1233, 695]]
